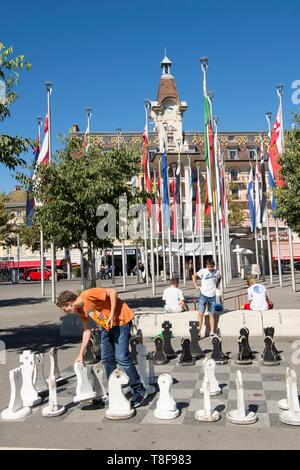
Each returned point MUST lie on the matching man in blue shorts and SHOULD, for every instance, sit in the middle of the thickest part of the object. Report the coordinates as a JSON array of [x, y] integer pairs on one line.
[[210, 279]]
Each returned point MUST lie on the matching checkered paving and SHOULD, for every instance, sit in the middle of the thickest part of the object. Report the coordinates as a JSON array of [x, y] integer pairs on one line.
[[263, 387]]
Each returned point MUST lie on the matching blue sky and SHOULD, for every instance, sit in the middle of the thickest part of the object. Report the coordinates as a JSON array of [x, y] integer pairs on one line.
[[106, 55]]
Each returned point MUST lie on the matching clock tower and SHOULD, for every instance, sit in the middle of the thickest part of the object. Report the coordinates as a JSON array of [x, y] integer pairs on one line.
[[167, 111]]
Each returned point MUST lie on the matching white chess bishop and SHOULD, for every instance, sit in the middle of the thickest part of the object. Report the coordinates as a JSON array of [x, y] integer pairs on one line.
[[166, 406], [209, 366]]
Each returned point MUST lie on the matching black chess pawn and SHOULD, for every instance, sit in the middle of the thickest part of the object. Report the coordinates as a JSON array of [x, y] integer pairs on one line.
[[217, 355], [186, 358], [244, 354], [159, 355], [247, 349], [195, 348], [167, 335], [133, 342], [270, 357]]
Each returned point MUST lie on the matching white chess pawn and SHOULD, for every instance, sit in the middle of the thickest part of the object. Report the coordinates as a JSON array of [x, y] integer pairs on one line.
[[119, 407], [84, 388], [209, 366], [39, 380], [239, 416], [53, 408], [99, 388], [206, 414], [15, 408], [54, 369], [166, 407]]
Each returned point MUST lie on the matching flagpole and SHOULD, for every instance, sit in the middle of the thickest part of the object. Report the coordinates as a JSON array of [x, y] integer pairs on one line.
[[191, 211], [53, 253], [42, 249], [175, 215], [147, 108], [204, 65], [218, 202], [261, 218], [268, 117], [280, 93], [169, 225], [162, 221], [156, 227], [200, 214], [181, 218]]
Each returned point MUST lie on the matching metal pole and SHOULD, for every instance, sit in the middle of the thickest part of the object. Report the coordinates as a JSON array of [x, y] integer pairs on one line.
[[162, 223], [146, 248], [176, 218], [123, 264], [218, 202], [280, 93], [157, 234], [113, 279], [42, 263], [268, 117], [181, 220], [53, 252], [137, 262], [278, 252]]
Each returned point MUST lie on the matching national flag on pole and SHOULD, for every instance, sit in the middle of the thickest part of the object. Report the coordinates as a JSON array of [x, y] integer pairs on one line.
[[208, 154], [276, 148], [30, 202], [257, 197], [189, 184], [43, 156], [157, 208], [250, 197], [263, 205], [198, 209], [174, 216], [146, 167], [86, 140], [165, 195]]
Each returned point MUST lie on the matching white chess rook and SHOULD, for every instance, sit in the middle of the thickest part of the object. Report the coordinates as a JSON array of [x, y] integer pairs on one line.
[[98, 373], [239, 416], [53, 408], [119, 407], [15, 408], [142, 370], [206, 414], [166, 407], [84, 388], [209, 366], [292, 415], [54, 369], [28, 393], [39, 380]]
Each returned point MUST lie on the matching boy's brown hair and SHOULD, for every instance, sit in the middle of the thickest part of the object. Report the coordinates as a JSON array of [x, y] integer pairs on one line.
[[251, 280], [65, 297], [210, 262]]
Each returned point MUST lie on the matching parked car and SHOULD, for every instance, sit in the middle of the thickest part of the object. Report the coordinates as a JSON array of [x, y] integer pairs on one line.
[[297, 265], [34, 274]]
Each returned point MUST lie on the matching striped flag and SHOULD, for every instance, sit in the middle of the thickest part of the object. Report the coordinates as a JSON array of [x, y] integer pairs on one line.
[[208, 154], [263, 205], [198, 209], [250, 197], [30, 201], [276, 148], [43, 156], [157, 218], [146, 167], [165, 195], [257, 197]]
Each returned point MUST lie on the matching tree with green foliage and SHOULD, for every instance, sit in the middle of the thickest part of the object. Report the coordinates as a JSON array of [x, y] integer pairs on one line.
[[71, 188], [11, 148], [288, 196]]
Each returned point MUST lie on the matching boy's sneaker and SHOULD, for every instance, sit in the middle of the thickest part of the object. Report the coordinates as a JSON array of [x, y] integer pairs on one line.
[[138, 399]]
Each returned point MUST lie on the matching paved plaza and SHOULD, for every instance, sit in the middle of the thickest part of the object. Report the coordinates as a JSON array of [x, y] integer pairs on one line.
[[28, 321]]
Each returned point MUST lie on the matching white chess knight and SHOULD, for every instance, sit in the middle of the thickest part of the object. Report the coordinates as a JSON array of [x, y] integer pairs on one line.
[[206, 414], [284, 403], [28, 393], [84, 388], [119, 407], [53, 408], [292, 415], [166, 406], [39, 380], [142, 368], [209, 366], [15, 409], [239, 416]]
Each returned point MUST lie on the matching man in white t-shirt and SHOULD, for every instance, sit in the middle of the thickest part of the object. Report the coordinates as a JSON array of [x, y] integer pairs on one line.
[[174, 299], [210, 279], [257, 295]]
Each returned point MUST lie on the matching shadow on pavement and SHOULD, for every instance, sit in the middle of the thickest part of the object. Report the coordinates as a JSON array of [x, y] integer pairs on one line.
[[22, 301], [38, 338]]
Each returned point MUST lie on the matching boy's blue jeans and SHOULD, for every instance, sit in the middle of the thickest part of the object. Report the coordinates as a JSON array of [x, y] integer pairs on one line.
[[115, 349]]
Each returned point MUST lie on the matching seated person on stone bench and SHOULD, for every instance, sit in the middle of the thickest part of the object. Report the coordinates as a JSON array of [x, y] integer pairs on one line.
[[174, 298], [257, 296]]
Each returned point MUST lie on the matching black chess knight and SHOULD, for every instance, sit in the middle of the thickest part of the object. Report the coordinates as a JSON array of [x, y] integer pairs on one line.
[[217, 355], [186, 358], [159, 355], [133, 342], [195, 348], [167, 335]]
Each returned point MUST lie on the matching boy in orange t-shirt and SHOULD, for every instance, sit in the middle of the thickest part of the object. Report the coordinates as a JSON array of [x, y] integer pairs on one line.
[[114, 316]]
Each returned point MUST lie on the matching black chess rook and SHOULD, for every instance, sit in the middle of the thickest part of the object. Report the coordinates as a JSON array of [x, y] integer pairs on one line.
[[133, 342], [167, 335], [195, 348]]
